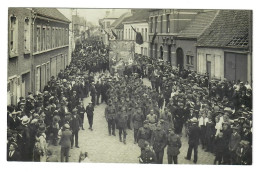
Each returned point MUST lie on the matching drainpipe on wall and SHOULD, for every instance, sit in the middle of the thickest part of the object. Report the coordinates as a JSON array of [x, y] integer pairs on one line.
[[32, 76]]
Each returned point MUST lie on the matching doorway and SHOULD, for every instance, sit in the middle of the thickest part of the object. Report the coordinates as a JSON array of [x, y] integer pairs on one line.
[[169, 54], [179, 53], [161, 52], [209, 69]]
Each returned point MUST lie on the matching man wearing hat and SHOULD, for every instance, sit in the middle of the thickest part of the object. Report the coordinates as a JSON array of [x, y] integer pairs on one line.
[[122, 124], [174, 144], [90, 114], [138, 118], [144, 134], [110, 114], [244, 153], [194, 135], [233, 144], [13, 154], [147, 155], [26, 147], [75, 127], [65, 143], [158, 141], [93, 93]]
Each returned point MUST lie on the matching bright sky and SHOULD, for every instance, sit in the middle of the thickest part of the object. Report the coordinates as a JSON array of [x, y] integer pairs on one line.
[[91, 15]]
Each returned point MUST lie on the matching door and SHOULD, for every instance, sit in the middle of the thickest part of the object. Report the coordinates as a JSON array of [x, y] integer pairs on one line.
[[179, 53], [236, 66], [169, 54], [53, 67], [58, 67], [37, 79], [23, 88], [209, 69], [230, 66], [161, 52], [241, 67]]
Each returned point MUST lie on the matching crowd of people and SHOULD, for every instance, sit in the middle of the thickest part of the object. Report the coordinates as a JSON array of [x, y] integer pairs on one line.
[[180, 103], [56, 114]]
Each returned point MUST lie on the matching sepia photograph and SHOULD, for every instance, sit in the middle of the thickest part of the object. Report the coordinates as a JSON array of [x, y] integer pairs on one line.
[[130, 85]]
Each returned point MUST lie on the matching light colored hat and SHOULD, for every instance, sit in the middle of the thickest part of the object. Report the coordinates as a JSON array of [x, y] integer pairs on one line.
[[25, 120], [194, 120], [66, 126]]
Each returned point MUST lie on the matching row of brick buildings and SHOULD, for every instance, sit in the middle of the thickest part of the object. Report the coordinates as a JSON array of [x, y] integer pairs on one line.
[[38, 48], [217, 42]]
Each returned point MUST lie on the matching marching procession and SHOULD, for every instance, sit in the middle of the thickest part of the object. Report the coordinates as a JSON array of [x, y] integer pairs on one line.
[[213, 114]]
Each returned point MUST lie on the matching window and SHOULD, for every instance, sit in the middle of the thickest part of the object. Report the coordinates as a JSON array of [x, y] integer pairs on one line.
[[126, 34], [151, 25], [143, 33], [145, 36], [53, 37], [13, 35], [189, 60], [48, 40], [155, 23], [43, 38], [38, 38], [60, 37], [129, 34], [142, 50], [161, 24], [57, 37], [66, 37], [168, 23], [38, 79], [26, 35]]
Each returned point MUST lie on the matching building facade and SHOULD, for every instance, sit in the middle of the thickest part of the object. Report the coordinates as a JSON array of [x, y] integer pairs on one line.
[[106, 23], [224, 50], [118, 27], [164, 28], [42, 53], [138, 21]]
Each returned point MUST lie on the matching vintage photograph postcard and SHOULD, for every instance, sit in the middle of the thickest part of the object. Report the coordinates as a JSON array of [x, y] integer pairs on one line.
[[139, 85]]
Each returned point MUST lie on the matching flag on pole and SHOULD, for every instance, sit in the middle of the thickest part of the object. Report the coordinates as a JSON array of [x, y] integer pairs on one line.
[[114, 34], [138, 38], [154, 36]]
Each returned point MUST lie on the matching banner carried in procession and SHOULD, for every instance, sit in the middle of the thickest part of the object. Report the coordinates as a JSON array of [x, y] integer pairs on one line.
[[121, 54]]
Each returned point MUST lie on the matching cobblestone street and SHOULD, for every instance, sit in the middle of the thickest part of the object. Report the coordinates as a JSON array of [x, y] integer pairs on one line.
[[103, 148]]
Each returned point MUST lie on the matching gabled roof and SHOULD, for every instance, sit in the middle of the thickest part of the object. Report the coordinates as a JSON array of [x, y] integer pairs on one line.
[[52, 13], [198, 24], [120, 19], [230, 29], [141, 15]]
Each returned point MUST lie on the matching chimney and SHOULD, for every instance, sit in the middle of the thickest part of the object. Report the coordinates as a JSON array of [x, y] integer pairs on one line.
[[107, 13], [133, 11]]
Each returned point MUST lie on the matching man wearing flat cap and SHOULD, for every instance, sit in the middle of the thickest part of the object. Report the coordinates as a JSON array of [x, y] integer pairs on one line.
[[233, 144], [174, 144], [90, 114], [158, 141], [144, 134], [244, 153], [194, 134], [65, 143], [75, 127], [13, 154], [110, 114]]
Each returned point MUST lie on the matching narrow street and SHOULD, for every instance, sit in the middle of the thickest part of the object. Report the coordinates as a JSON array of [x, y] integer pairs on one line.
[[103, 148]]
